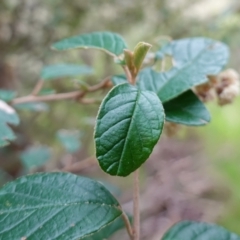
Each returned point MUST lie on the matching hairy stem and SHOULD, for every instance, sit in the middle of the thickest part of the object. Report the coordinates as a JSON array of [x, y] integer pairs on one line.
[[136, 209]]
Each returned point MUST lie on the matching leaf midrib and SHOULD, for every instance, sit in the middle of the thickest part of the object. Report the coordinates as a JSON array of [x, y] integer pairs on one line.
[[125, 142]]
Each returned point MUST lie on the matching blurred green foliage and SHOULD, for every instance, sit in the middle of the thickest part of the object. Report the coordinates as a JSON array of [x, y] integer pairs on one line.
[[28, 28]]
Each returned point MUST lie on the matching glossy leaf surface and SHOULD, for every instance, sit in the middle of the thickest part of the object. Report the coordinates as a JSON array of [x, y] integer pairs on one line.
[[187, 109], [64, 70], [7, 116], [107, 231], [188, 230], [128, 126], [109, 42], [55, 206]]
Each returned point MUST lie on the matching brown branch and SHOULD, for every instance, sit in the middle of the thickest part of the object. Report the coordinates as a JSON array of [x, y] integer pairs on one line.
[[64, 96], [127, 225], [78, 166], [136, 209], [128, 74], [37, 88]]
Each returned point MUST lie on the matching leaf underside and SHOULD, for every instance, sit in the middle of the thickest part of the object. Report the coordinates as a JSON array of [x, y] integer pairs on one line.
[[188, 230], [109, 42], [64, 70], [186, 109], [55, 206], [128, 126], [7, 116]]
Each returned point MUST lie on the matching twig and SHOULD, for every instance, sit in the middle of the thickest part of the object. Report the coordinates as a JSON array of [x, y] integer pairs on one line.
[[136, 209], [78, 166], [127, 225], [45, 98], [128, 74], [37, 88], [63, 96]]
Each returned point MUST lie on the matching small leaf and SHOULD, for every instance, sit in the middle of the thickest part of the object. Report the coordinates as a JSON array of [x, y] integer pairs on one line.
[[109, 42], [7, 95], [209, 55], [35, 156], [129, 124], [64, 70], [118, 79], [33, 106], [129, 60], [55, 206], [69, 139], [188, 230], [139, 53], [187, 109], [7, 116]]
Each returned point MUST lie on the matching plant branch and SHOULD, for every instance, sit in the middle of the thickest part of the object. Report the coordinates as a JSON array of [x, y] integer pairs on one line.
[[78, 166], [37, 87], [136, 209], [128, 74], [127, 225], [63, 96]]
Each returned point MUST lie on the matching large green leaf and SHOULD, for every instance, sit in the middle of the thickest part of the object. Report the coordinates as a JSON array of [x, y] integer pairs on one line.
[[188, 230], [109, 42], [209, 54], [107, 231], [7, 116], [171, 84], [186, 109], [55, 206], [193, 60], [35, 156], [64, 70], [129, 124]]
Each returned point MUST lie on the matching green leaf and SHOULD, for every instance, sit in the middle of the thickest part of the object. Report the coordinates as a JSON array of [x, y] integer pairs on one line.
[[210, 55], [64, 70], [129, 124], [139, 54], [188, 230], [33, 106], [7, 95], [193, 59], [107, 231], [109, 42], [187, 109], [69, 139], [168, 85], [118, 79], [35, 156], [7, 116], [55, 206]]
